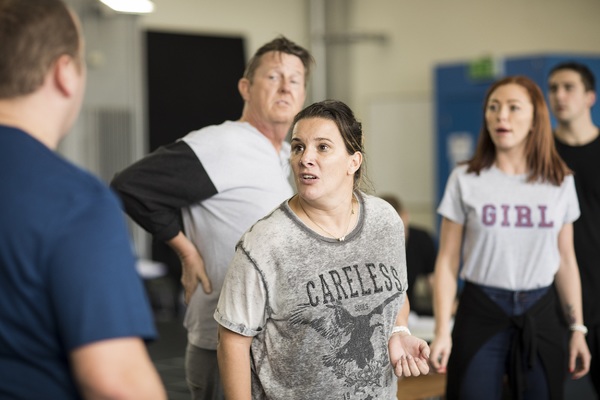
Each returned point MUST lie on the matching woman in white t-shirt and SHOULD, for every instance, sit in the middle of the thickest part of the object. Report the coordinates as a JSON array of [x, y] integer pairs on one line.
[[507, 217]]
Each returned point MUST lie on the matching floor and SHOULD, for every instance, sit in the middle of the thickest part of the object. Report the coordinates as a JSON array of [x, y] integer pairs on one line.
[[168, 353], [581, 389]]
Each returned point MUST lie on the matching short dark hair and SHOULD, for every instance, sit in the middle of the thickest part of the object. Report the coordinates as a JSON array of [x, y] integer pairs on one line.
[[33, 35], [343, 117], [280, 44], [586, 74]]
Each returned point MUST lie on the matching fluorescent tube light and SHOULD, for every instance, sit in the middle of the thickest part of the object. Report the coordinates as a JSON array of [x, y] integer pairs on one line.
[[130, 6]]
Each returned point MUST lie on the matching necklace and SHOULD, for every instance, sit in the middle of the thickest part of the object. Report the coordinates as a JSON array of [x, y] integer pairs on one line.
[[341, 238]]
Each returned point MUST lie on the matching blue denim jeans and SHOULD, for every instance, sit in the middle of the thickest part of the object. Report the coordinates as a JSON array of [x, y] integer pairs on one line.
[[486, 372]]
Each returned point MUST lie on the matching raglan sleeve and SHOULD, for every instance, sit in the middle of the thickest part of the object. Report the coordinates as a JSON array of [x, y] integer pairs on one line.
[[154, 189]]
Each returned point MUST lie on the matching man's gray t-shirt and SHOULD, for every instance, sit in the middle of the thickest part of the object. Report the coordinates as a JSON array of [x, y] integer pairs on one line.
[[320, 311]]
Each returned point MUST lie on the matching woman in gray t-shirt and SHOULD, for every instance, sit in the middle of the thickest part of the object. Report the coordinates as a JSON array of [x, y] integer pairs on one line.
[[314, 302]]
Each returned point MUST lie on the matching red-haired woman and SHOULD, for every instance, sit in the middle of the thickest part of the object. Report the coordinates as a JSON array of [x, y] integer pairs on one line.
[[507, 218]]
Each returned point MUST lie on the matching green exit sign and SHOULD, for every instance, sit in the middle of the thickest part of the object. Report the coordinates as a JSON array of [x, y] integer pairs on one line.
[[485, 68]]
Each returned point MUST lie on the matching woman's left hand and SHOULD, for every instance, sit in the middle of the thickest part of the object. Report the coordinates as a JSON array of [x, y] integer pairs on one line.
[[409, 355], [579, 355]]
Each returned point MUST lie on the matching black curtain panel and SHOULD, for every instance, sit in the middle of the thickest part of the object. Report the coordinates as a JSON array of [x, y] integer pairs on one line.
[[191, 83]]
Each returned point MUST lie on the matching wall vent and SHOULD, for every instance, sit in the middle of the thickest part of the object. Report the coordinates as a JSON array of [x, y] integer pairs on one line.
[[111, 140]]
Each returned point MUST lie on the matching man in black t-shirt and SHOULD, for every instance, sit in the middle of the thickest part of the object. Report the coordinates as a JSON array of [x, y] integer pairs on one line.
[[571, 96]]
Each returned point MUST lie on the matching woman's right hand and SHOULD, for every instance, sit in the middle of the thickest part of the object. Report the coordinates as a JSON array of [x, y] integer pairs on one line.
[[440, 352]]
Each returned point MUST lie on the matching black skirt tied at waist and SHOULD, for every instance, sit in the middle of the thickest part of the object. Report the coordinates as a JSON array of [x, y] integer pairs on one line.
[[540, 331]]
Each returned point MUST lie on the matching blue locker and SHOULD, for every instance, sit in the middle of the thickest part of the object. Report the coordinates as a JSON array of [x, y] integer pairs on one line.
[[459, 104]]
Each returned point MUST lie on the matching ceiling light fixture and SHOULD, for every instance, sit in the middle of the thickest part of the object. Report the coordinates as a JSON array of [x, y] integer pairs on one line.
[[130, 6]]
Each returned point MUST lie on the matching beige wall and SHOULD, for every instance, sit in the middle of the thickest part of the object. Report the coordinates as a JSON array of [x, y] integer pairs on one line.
[[257, 20], [424, 33], [391, 85]]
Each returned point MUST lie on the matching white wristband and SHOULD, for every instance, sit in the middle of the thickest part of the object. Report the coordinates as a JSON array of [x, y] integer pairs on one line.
[[400, 328], [579, 328]]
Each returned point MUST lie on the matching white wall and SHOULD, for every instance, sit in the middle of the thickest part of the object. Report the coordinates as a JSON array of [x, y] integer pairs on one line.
[[395, 77]]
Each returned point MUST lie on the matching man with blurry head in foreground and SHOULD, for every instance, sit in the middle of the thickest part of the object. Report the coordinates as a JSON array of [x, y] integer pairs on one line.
[[73, 312]]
